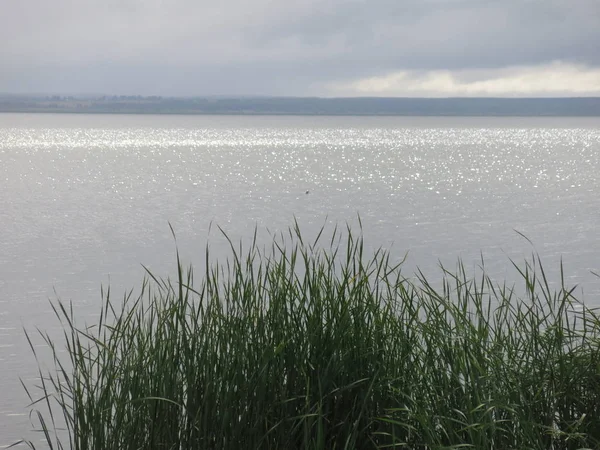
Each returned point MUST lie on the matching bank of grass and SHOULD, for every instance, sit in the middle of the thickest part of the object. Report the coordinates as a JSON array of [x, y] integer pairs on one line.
[[314, 345]]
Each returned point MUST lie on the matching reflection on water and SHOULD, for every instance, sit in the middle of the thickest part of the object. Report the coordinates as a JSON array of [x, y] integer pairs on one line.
[[86, 199]]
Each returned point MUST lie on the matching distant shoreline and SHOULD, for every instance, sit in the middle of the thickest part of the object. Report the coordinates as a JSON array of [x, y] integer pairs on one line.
[[299, 106], [233, 114], [290, 114]]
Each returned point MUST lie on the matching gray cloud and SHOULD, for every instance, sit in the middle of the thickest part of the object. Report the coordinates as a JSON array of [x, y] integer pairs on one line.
[[285, 47]]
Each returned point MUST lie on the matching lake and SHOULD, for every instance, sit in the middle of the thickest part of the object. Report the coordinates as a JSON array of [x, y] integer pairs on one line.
[[85, 200]]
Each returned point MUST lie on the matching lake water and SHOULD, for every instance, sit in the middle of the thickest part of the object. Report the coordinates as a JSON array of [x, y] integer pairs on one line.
[[85, 200]]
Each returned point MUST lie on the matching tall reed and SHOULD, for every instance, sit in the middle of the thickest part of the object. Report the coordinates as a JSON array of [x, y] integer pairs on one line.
[[313, 345]]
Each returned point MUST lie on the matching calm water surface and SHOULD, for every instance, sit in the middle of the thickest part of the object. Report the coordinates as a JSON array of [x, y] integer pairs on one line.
[[85, 200]]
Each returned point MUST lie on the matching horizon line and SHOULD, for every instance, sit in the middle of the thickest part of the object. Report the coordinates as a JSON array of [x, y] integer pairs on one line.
[[311, 97]]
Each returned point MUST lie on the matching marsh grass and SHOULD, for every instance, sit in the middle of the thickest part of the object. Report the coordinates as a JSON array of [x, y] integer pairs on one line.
[[313, 345]]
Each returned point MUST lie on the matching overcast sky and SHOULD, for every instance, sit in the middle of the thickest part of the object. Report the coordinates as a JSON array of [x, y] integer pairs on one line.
[[301, 47]]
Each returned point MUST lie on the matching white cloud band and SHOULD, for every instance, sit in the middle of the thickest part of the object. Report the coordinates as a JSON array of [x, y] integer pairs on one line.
[[556, 79]]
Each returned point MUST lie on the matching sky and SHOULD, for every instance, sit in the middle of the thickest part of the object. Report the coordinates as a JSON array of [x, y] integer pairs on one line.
[[329, 48]]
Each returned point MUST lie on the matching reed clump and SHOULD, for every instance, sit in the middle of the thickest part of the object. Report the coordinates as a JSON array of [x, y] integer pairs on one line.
[[313, 345]]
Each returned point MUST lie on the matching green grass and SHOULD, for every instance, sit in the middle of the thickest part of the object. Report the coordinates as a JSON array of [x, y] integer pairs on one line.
[[314, 345]]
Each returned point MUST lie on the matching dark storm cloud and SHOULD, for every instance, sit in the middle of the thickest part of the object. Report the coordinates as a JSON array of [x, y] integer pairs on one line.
[[292, 47]]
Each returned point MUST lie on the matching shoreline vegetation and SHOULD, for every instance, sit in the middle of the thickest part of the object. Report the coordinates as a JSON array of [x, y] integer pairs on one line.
[[316, 345], [361, 106]]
